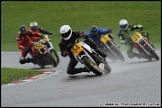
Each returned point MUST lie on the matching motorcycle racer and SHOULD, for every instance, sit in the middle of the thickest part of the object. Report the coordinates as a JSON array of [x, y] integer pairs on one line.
[[95, 33], [24, 43], [37, 31], [70, 37], [124, 35]]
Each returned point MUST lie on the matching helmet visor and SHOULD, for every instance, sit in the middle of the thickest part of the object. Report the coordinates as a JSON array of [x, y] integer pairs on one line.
[[123, 26], [34, 27], [94, 31], [23, 31], [68, 34]]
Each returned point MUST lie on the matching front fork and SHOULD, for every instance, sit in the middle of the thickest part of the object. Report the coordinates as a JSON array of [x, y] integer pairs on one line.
[[48, 43]]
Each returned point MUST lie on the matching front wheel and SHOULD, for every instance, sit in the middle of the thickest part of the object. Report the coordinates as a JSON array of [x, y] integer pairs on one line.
[[55, 55], [92, 66], [53, 62], [118, 53], [152, 53]]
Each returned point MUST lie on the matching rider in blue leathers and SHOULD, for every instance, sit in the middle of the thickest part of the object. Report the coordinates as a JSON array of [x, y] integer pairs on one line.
[[95, 33]]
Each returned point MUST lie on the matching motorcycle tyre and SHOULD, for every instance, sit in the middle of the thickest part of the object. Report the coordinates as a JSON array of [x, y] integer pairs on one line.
[[92, 66], [152, 53], [53, 62], [118, 53], [55, 56]]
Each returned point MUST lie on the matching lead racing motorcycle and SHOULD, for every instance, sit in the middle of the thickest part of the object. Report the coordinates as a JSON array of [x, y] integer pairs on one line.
[[107, 45], [87, 56], [143, 46]]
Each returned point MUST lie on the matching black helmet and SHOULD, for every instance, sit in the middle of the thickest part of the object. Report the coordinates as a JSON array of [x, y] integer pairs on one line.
[[23, 29], [93, 30]]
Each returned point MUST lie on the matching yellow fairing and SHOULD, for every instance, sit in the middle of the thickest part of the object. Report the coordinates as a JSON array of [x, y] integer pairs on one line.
[[105, 39], [136, 36], [76, 49], [38, 46]]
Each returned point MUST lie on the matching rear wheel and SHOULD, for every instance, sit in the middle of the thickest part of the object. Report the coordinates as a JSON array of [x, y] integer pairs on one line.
[[92, 66]]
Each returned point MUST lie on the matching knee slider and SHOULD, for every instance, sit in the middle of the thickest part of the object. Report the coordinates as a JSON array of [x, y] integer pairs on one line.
[[130, 54]]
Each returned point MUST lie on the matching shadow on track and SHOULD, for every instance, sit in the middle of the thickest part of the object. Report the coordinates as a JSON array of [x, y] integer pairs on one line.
[[145, 61], [83, 77]]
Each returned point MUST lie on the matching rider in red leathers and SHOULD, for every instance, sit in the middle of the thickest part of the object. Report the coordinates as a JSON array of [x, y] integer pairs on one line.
[[24, 44], [36, 31]]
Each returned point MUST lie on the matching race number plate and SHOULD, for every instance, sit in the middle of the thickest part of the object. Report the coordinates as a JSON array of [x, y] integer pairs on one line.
[[76, 49], [136, 36], [44, 39], [105, 39], [38, 46]]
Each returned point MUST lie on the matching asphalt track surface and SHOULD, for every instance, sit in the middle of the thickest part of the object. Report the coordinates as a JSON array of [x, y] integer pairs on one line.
[[135, 82]]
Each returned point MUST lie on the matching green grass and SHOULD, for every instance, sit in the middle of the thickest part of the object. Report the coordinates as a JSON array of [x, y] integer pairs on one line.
[[80, 15], [9, 75]]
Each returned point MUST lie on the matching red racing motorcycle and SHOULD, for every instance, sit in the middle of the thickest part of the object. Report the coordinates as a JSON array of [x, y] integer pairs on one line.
[[42, 55], [143, 46]]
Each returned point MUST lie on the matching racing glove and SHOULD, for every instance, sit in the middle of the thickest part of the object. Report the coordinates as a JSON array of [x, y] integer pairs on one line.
[[82, 34], [51, 34], [109, 31], [26, 49], [64, 53]]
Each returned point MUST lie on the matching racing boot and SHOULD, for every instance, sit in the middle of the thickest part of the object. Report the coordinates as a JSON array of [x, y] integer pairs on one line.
[[84, 69], [30, 60], [22, 60]]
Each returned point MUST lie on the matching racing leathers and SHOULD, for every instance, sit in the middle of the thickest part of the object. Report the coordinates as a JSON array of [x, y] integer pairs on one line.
[[65, 50], [36, 34], [96, 38], [24, 44], [101, 31]]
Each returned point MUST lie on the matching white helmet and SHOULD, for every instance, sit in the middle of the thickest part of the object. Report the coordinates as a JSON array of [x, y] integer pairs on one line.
[[123, 24], [66, 32], [33, 24]]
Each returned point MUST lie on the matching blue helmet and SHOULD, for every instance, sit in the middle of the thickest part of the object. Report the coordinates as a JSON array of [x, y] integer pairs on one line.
[[93, 30]]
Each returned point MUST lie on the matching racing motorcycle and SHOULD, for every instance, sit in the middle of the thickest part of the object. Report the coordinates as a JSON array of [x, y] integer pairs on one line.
[[84, 54], [50, 47], [107, 45], [41, 54], [143, 46]]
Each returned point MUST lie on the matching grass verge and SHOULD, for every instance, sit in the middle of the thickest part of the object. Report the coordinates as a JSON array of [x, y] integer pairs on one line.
[[9, 75]]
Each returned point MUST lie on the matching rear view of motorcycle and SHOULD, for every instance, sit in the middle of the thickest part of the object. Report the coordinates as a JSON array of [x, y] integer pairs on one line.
[[143, 46], [109, 46]]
